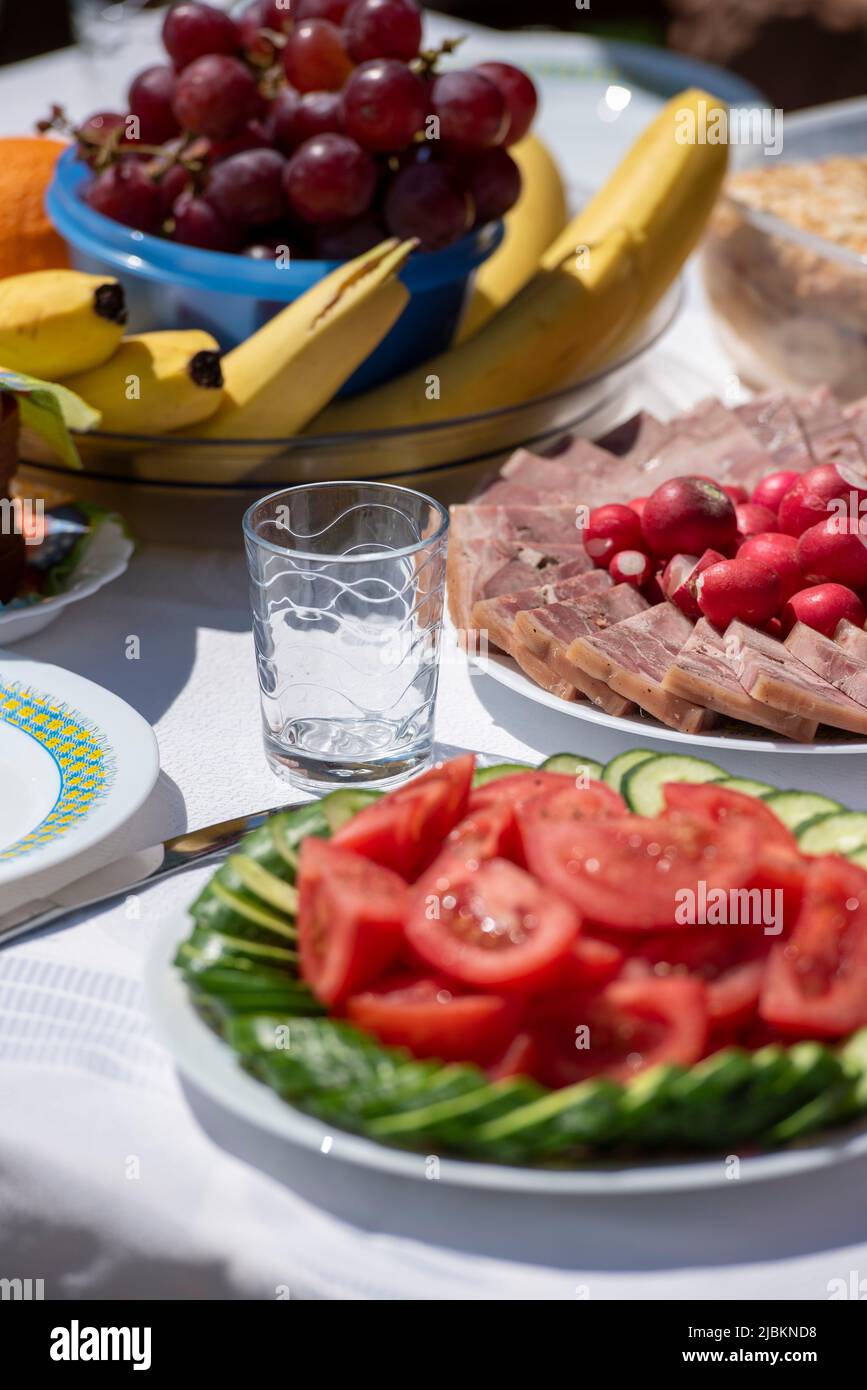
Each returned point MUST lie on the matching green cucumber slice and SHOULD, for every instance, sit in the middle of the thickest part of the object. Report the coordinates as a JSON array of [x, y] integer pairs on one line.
[[796, 808], [483, 775], [642, 785], [572, 765], [746, 785], [838, 833], [339, 807], [859, 856], [614, 771]]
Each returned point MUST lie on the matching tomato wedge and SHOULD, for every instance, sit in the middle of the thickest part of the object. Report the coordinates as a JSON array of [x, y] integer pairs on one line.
[[403, 830], [490, 925], [630, 871], [350, 919], [432, 1019], [517, 788], [814, 981], [780, 867], [630, 1025], [730, 961], [489, 833]]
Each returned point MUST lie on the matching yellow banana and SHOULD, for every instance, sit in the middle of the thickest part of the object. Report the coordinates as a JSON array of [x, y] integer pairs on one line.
[[55, 322], [662, 192], [531, 226], [565, 319], [280, 377], [155, 382]]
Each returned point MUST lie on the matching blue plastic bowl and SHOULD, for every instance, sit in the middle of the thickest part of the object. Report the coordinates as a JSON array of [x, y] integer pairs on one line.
[[172, 286]]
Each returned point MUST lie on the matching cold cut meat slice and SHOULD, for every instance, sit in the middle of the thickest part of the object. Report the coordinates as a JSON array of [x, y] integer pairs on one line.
[[529, 525], [496, 616], [830, 435], [831, 661], [851, 638], [702, 672], [541, 672], [634, 657], [709, 439], [550, 633], [637, 439], [773, 420], [772, 674], [582, 473]]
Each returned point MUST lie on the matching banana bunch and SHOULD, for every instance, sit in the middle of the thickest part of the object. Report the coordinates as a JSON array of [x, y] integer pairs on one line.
[[595, 284], [155, 382], [54, 322]]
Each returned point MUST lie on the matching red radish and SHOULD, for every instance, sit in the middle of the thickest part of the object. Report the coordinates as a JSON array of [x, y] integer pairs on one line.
[[738, 494], [610, 529], [822, 608], [772, 489], [836, 550], [742, 589], [638, 504], [774, 628], [680, 580], [631, 567], [754, 520], [808, 501], [774, 549], [688, 515]]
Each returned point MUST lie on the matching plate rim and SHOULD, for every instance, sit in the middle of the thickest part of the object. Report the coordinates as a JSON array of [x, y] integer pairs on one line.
[[505, 671], [211, 1065], [135, 748]]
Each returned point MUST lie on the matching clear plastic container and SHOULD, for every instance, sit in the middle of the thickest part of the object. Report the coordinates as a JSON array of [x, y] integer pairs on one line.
[[791, 302]]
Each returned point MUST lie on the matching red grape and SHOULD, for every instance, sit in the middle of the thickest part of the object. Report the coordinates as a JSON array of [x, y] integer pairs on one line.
[[171, 183], [345, 240], [192, 30], [281, 119], [424, 202], [383, 29], [472, 112], [314, 58], [126, 193], [493, 181], [384, 105], [215, 96], [247, 189], [520, 96], [251, 22], [300, 118], [321, 9], [150, 99], [97, 130], [330, 179], [197, 223]]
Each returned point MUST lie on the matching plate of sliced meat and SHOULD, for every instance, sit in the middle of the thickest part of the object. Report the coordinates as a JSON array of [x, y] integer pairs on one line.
[[701, 578]]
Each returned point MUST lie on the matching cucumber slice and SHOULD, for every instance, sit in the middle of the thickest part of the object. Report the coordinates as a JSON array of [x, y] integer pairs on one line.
[[339, 807], [614, 771], [642, 785], [746, 785], [492, 774], [859, 856], [572, 765], [796, 808], [838, 833]]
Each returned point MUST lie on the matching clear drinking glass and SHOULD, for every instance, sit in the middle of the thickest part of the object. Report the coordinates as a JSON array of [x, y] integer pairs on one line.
[[346, 584]]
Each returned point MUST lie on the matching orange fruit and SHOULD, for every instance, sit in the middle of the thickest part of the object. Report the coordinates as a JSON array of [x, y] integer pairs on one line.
[[28, 241]]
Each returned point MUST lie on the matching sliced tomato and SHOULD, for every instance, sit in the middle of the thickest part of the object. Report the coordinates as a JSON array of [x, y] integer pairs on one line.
[[518, 1059], [492, 925], [517, 788], [590, 965], [433, 1019], [623, 1029], [780, 867], [631, 871], [729, 960], [815, 981], [489, 833], [404, 829], [350, 919]]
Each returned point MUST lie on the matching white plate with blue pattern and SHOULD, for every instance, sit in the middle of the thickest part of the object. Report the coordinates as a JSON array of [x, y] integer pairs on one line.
[[75, 763]]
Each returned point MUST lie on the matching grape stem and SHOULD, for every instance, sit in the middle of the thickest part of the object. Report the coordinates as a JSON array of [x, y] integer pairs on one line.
[[425, 64]]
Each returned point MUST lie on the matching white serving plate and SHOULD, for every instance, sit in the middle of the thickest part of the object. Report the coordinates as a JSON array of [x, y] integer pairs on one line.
[[105, 558], [215, 1070], [505, 671], [75, 763]]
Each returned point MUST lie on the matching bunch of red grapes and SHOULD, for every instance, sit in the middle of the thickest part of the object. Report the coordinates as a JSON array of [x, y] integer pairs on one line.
[[317, 125]]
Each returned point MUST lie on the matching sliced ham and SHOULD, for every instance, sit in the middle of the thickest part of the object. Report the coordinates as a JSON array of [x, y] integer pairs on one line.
[[830, 435], [496, 616], [709, 439], [772, 674], [541, 672], [551, 631], [582, 473], [773, 420], [637, 439], [702, 672], [851, 638], [634, 657], [836, 665], [529, 525], [480, 565]]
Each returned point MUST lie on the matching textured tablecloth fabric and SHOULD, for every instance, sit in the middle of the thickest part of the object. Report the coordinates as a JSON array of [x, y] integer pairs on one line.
[[117, 1180]]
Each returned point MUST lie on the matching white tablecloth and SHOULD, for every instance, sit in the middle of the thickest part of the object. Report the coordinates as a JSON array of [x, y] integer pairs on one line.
[[116, 1179]]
